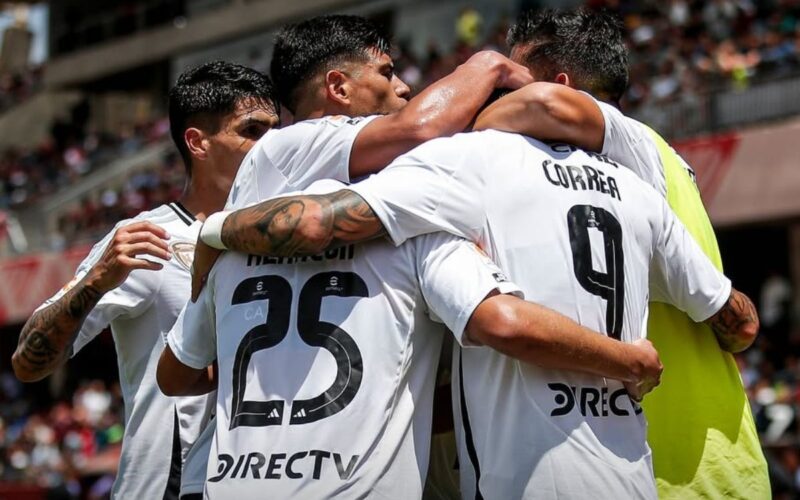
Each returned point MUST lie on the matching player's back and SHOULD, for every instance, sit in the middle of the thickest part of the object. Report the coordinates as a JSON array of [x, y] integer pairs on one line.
[[577, 234], [327, 366]]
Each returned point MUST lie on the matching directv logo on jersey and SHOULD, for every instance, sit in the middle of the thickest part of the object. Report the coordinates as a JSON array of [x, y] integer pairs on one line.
[[590, 401], [300, 465]]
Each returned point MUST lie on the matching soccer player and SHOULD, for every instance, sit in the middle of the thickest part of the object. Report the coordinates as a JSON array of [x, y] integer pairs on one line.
[[137, 279], [578, 234], [294, 421], [334, 73], [704, 441]]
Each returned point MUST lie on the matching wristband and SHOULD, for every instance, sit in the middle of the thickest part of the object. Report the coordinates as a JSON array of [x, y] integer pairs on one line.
[[211, 232]]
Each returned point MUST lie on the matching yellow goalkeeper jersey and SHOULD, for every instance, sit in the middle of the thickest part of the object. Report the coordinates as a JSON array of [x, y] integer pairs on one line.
[[701, 429]]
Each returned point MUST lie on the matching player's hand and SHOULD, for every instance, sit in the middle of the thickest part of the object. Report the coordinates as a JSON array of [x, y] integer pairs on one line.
[[127, 251], [648, 368], [510, 74], [204, 259]]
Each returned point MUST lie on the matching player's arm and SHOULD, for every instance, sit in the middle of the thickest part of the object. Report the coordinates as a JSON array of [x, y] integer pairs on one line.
[[736, 324], [535, 334], [548, 112], [301, 225], [47, 338], [286, 226], [185, 366], [682, 275], [444, 108], [471, 295], [402, 201], [177, 379]]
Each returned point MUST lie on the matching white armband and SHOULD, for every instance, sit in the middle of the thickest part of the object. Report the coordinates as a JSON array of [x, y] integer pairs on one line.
[[211, 232]]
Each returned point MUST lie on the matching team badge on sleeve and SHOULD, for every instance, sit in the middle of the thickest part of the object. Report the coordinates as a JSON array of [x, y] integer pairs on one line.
[[184, 253]]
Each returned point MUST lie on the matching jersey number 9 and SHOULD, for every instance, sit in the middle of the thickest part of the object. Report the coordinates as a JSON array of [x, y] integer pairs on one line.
[[609, 285]]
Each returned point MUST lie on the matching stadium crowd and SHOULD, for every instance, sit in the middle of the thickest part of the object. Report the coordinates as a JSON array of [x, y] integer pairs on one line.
[[69, 448], [712, 44]]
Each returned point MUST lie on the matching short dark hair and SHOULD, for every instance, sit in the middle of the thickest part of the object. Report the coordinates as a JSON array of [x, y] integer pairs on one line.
[[587, 45], [203, 95], [319, 44]]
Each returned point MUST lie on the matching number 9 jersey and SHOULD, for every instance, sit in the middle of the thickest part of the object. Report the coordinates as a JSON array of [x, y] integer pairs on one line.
[[579, 235], [327, 364]]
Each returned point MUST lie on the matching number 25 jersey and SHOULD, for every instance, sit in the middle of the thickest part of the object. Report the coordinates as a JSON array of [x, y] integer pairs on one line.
[[582, 236], [327, 364]]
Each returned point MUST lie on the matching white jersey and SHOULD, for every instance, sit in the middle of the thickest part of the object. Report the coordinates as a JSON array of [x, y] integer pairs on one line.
[[291, 158], [327, 364], [159, 430], [630, 142], [286, 159], [578, 234]]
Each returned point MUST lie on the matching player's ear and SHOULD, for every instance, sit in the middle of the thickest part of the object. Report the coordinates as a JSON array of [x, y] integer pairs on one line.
[[337, 87], [563, 79], [196, 143]]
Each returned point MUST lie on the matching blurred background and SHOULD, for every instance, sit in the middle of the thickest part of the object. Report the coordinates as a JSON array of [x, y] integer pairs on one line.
[[84, 143]]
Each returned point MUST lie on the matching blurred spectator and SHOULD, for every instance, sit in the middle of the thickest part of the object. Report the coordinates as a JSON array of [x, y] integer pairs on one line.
[[17, 87], [69, 449]]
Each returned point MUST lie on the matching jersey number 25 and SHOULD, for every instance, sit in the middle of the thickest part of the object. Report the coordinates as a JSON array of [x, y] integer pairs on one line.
[[312, 331]]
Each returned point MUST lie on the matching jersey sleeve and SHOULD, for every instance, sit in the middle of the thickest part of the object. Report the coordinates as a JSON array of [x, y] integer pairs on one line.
[[682, 275], [127, 300], [438, 186], [455, 277], [291, 158], [318, 149], [193, 337], [628, 142]]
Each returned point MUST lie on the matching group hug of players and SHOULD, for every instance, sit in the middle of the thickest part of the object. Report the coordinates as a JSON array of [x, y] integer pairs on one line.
[[278, 329]]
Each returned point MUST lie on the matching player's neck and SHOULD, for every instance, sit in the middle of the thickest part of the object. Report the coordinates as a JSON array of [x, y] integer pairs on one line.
[[204, 196], [313, 109]]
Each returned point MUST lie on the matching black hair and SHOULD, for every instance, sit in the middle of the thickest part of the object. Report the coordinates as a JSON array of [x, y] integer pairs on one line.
[[587, 45], [319, 44], [205, 94]]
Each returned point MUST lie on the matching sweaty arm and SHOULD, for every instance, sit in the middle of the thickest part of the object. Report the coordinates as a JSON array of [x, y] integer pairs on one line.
[[49, 335], [470, 294], [446, 107], [548, 112]]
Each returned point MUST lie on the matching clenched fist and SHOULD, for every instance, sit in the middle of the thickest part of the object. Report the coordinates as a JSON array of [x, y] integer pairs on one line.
[[648, 372]]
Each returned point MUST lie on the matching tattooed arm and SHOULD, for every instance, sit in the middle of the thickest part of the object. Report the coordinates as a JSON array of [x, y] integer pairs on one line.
[[47, 338], [301, 225], [736, 324], [290, 226]]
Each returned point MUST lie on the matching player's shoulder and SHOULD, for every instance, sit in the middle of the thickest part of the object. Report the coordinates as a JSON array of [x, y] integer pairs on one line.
[[315, 126], [172, 216], [461, 144]]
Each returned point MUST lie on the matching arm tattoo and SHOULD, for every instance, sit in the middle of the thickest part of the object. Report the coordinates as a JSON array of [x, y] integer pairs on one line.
[[46, 339], [734, 323], [301, 225]]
